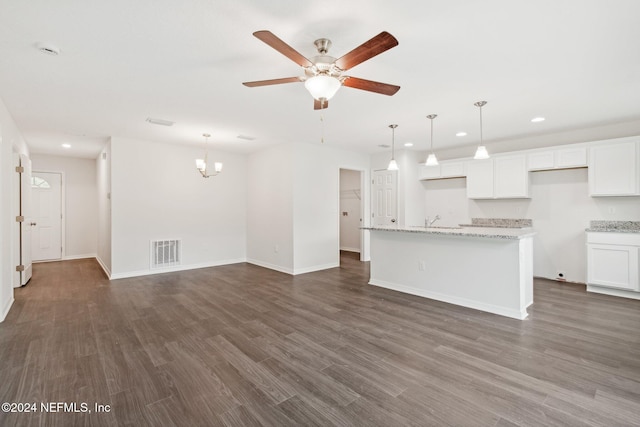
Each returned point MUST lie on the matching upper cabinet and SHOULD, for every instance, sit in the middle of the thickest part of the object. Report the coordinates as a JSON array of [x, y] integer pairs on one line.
[[502, 177], [614, 168], [446, 169], [558, 158]]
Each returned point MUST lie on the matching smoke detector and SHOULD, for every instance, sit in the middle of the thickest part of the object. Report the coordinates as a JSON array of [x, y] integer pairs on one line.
[[48, 48]]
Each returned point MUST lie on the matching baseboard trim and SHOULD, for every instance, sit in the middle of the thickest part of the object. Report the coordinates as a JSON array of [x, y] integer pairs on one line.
[[315, 268], [502, 311], [85, 256], [6, 309], [104, 267], [128, 274], [270, 266], [346, 249]]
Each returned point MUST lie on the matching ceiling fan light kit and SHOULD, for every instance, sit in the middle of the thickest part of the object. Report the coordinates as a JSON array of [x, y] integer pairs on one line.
[[323, 74], [201, 164]]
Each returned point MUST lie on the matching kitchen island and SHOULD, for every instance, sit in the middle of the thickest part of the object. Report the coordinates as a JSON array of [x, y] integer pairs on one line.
[[488, 269]]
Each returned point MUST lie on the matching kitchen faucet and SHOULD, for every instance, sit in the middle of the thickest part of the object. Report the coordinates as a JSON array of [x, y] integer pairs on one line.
[[429, 223]]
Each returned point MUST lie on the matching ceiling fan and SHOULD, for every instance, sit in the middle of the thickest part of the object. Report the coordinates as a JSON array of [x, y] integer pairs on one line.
[[323, 74]]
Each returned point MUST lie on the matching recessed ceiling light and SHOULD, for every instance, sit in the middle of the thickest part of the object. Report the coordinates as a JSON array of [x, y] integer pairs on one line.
[[461, 134], [537, 120], [161, 122], [246, 138], [384, 145], [65, 145], [408, 144]]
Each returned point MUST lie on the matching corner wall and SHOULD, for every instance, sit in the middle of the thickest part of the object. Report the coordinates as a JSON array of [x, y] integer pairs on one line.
[[103, 201], [157, 194], [11, 141]]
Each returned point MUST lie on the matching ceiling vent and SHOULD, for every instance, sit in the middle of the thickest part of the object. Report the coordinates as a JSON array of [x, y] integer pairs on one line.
[[48, 48], [160, 122]]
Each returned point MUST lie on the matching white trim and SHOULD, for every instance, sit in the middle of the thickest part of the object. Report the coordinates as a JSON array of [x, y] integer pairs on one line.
[[6, 309], [270, 266], [104, 267], [315, 268], [346, 249], [515, 314], [614, 292], [174, 268], [82, 256]]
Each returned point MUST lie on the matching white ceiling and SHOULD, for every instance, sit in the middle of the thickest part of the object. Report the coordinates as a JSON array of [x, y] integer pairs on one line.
[[575, 62]]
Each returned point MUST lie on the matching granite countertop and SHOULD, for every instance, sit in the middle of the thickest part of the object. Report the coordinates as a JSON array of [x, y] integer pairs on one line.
[[475, 231], [614, 227]]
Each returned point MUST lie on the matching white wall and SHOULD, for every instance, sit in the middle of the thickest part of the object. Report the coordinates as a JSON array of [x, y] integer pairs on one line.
[[81, 193], [350, 200], [270, 208], [294, 195], [560, 207], [157, 193], [103, 200], [11, 141], [316, 221]]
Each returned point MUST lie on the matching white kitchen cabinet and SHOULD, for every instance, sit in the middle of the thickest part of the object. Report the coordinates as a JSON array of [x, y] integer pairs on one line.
[[613, 261], [480, 179], [557, 158], [446, 169], [614, 169], [503, 177], [511, 178]]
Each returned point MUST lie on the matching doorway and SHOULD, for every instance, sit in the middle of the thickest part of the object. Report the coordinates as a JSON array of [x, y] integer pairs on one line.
[[46, 234], [351, 213]]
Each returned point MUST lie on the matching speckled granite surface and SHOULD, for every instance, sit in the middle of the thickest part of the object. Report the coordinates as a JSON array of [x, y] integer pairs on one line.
[[499, 223], [484, 232], [615, 226]]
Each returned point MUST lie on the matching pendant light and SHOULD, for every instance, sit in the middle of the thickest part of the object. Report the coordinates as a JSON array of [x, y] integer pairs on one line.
[[393, 165], [201, 164], [432, 160], [481, 152]]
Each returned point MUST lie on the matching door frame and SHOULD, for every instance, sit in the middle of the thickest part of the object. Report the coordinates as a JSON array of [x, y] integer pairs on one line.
[[63, 204], [361, 210]]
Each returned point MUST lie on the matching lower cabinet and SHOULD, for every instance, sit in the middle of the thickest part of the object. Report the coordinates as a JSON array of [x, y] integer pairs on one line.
[[613, 260]]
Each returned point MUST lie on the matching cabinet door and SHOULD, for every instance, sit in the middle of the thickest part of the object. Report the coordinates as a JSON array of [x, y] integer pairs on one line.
[[429, 172], [613, 169], [571, 157], [613, 266], [480, 179], [511, 177], [452, 169], [541, 161]]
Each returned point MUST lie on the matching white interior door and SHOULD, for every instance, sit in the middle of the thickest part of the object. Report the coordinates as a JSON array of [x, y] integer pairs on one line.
[[385, 205], [26, 227], [47, 216]]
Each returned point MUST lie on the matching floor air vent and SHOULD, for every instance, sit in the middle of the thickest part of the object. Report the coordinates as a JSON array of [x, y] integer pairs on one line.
[[165, 253]]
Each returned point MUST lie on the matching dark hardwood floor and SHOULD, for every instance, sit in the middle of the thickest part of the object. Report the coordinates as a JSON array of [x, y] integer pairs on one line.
[[241, 345]]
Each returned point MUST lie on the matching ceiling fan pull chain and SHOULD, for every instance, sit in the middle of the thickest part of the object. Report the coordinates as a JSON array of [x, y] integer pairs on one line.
[[321, 128]]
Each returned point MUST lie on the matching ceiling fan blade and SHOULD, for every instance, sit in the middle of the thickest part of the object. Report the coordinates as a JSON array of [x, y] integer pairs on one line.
[[272, 82], [367, 50], [320, 105], [272, 40], [371, 86]]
